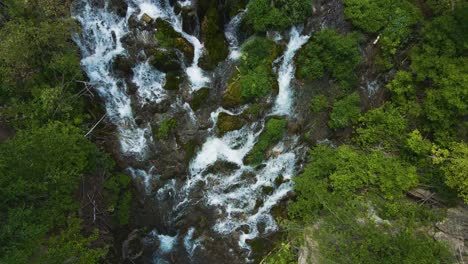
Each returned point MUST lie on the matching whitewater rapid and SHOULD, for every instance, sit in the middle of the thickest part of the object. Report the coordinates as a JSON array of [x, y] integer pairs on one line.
[[238, 198]]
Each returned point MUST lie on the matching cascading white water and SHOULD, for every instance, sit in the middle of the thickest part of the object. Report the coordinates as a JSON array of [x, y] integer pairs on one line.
[[150, 82], [155, 9], [100, 44], [231, 34], [286, 74], [238, 195]]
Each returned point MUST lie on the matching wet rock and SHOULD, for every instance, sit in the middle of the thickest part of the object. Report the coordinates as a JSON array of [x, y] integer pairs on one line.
[[222, 166], [119, 7], [123, 65], [228, 123], [199, 97]]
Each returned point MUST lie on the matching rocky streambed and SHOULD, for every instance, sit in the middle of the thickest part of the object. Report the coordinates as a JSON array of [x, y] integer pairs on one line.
[[166, 71]]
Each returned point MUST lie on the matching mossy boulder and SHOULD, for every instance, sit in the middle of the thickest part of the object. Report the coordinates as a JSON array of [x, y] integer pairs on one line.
[[199, 97], [168, 38], [227, 122], [166, 127], [272, 134], [165, 60], [173, 80], [122, 64], [216, 48], [232, 97]]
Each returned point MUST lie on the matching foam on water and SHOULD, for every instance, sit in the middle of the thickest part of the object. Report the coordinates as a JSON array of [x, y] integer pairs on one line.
[[237, 195], [231, 32], [150, 82], [100, 44], [286, 73]]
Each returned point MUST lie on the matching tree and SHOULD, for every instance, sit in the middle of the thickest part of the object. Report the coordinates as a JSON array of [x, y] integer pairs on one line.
[[327, 52], [384, 126], [345, 111], [455, 170]]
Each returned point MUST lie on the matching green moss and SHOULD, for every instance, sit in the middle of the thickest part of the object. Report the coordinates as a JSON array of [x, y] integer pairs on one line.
[[165, 128], [168, 38], [232, 97], [165, 60], [272, 133], [199, 97], [228, 123], [173, 81], [213, 39]]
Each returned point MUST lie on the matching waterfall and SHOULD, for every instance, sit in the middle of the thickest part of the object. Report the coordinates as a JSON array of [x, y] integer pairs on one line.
[[237, 198], [286, 73]]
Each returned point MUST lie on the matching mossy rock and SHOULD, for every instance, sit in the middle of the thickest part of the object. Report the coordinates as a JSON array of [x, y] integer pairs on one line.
[[253, 112], [173, 80], [232, 97], [199, 97], [190, 149], [166, 127], [216, 48], [168, 38], [272, 134], [165, 60], [122, 64], [227, 122]]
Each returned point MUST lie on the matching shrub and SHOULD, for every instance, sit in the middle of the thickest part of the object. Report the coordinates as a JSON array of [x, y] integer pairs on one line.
[[345, 111], [265, 15], [330, 53], [272, 133]]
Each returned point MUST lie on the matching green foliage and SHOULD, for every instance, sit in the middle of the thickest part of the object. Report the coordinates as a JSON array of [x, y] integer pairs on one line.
[[255, 78], [327, 52], [265, 15], [417, 144], [345, 111], [341, 186], [39, 172], [165, 128], [455, 170], [392, 19], [383, 126], [272, 133], [318, 103], [71, 246]]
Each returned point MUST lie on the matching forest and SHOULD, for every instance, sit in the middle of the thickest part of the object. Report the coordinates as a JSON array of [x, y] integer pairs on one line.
[[65, 196]]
